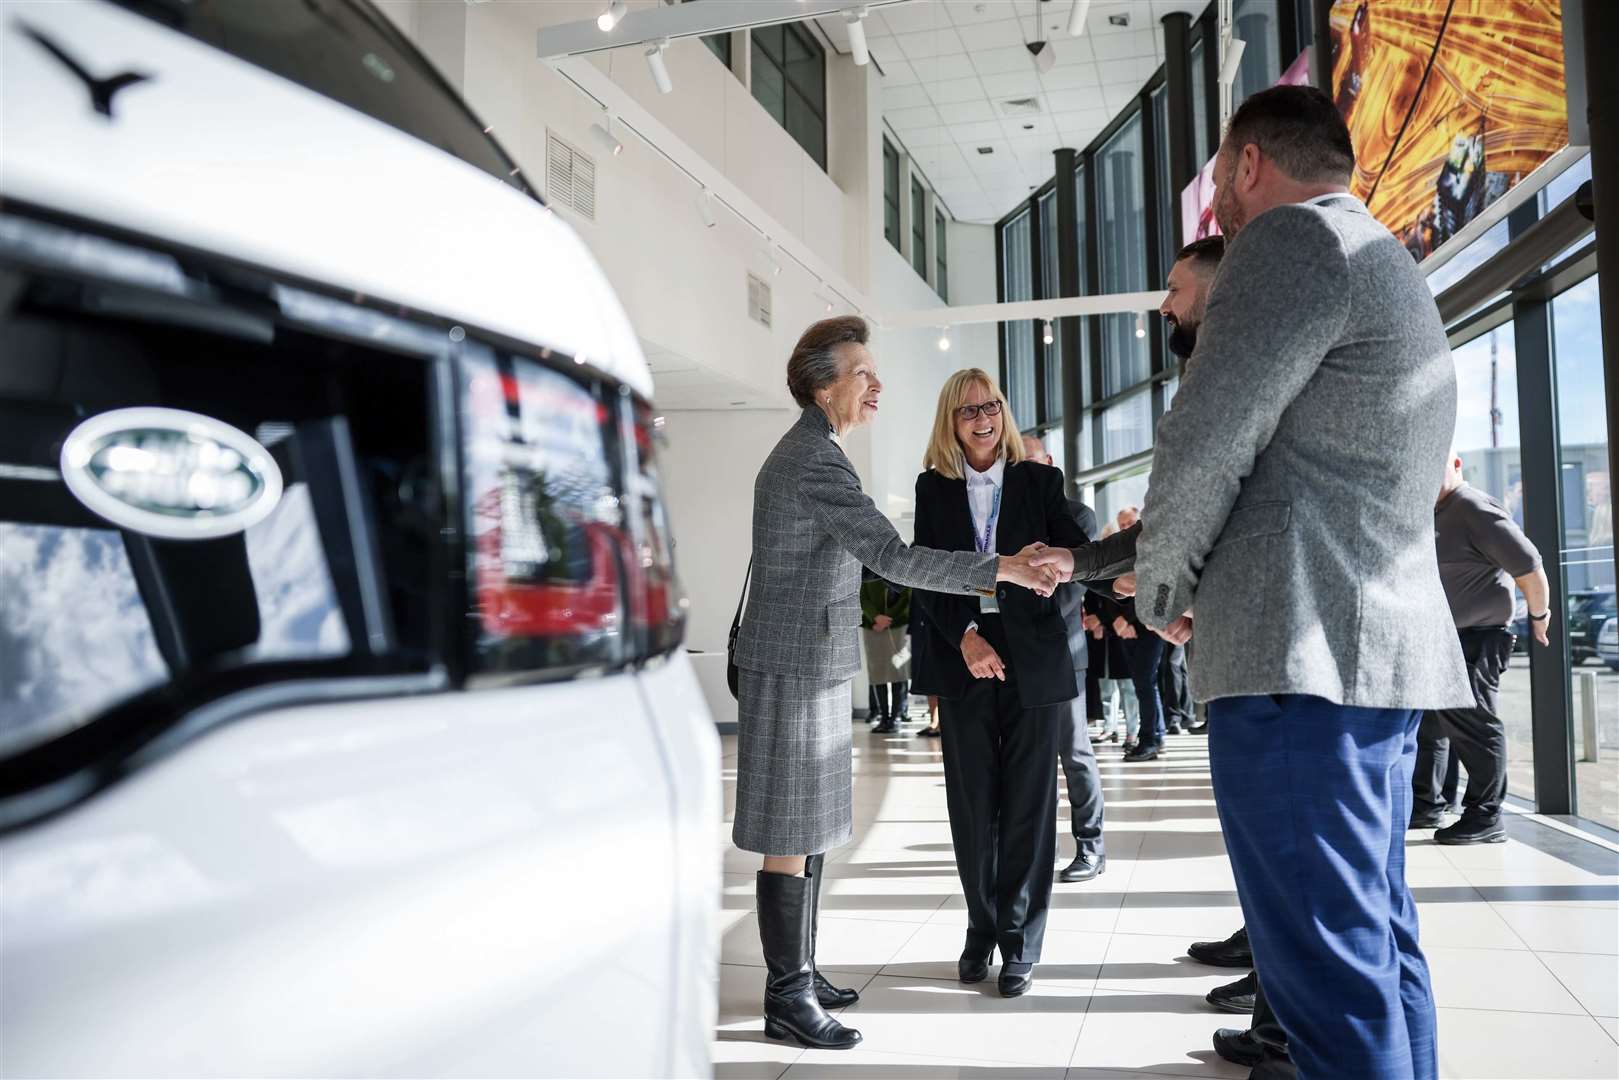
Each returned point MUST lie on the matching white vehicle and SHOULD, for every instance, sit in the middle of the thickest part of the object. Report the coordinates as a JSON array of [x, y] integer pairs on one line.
[[344, 724], [1608, 643]]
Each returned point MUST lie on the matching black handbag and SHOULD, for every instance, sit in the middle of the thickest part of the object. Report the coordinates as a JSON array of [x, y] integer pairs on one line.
[[731, 673]]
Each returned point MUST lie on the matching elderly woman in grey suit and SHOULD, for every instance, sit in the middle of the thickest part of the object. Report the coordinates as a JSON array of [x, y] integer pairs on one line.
[[798, 650]]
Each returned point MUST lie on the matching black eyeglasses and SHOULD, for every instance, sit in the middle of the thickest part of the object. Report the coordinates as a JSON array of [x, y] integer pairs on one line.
[[988, 408]]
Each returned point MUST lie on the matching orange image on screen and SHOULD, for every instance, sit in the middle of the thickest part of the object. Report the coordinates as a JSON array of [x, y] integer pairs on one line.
[[1449, 104]]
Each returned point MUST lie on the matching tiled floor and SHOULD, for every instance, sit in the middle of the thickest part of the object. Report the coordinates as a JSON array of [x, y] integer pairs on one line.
[[1522, 938]]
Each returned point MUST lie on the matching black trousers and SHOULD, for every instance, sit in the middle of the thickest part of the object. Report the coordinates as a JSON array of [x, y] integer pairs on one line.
[[1084, 781], [1267, 1030], [1002, 796], [1093, 696], [880, 706], [1475, 735], [1172, 688]]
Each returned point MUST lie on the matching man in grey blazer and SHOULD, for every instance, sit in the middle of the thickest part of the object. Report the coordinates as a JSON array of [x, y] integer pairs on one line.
[[1291, 508]]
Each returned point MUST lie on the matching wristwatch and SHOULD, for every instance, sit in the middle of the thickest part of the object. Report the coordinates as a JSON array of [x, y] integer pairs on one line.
[[1542, 617]]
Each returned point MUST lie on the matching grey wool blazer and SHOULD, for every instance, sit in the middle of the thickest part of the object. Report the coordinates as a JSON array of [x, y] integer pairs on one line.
[[1294, 480], [813, 528]]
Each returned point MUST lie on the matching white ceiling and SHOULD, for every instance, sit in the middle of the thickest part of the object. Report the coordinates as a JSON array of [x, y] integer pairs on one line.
[[949, 65]]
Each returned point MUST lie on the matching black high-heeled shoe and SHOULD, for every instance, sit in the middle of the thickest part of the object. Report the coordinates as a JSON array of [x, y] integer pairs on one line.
[[791, 1007]]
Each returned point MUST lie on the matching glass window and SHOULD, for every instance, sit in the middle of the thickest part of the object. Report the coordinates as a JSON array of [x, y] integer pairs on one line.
[[1083, 359], [1492, 461], [941, 250], [1127, 427], [919, 228], [1164, 197], [891, 193], [1201, 151], [349, 54], [1018, 337], [789, 80], [1257, 24], [1121, 201], [1469, 258], [1126, 492], [1587, 542], [1050, 288]]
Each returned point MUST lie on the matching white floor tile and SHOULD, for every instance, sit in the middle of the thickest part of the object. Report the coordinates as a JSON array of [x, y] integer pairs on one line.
[[1592, 979], [1466, 925], [1159, 965], [1479, 1044], [1496, 979], [949, 1020], [933, 952], [1611, 1025], [864, 1062], [1154, 1033], [1575, 930]]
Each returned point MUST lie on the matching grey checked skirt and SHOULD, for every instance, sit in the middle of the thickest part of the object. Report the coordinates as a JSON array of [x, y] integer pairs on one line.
[[793, 785]]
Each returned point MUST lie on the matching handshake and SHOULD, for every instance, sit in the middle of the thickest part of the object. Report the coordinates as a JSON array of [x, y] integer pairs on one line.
[[1043, 568]]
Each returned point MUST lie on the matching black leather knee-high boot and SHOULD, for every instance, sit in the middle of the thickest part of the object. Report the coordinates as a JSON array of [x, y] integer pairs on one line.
[[786, 913], [830, 997]]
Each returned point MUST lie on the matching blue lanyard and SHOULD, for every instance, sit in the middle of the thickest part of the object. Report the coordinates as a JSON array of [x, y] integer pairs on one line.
[[982, 542]]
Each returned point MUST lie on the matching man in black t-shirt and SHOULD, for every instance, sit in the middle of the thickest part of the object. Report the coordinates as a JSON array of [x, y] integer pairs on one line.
[[1482, 554]]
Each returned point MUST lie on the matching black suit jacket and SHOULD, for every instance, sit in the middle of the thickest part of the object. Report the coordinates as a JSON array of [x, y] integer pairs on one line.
[[1033, 508]]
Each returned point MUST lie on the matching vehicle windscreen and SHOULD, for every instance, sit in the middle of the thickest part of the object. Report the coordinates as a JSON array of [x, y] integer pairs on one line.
[[349, 52]]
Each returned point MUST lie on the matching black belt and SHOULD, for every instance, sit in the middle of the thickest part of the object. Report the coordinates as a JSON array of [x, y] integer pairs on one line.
[[1471, 635]]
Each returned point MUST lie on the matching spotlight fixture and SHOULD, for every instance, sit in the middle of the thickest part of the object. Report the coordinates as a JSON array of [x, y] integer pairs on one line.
[[1232, 62], [855, 21], [1044, 56], [655, 64], [601, 133], [770, 260], [944, 339], [705, 207], [609, 18], [1141, 325], [1047, 336], [1076, 17]]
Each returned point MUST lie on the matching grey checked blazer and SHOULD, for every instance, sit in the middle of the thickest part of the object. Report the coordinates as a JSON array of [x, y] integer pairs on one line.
[[813, 528], [1294, 480]]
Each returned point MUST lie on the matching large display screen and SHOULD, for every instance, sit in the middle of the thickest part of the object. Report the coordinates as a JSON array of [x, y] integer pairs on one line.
[[1449, 102]]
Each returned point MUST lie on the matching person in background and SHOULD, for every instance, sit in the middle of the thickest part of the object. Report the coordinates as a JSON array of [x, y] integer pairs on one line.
[[1144, 655], [1073, 734], [885, 616], [798, 650], [1119, 706], [921, 644], [1003, 671], [1482, 554]]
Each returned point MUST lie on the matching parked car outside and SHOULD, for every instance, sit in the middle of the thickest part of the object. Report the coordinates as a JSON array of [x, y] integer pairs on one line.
[[1586, 612]]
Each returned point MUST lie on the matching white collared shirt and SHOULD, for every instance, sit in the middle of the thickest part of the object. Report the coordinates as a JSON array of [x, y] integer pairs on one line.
[[981, 489]]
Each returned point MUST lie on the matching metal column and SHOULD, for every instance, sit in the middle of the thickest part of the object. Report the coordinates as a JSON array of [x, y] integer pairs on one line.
[[1601, 29], [1178, 81], [1069, 327]]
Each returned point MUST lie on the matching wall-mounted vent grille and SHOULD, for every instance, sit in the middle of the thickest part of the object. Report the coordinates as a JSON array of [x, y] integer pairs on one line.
[[570, 177], [759, 301], [1027, 106]]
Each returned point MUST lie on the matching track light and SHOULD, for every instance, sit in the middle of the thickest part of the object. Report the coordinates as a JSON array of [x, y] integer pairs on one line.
[[857, 36], [1047, 336], [1076, 17], [660, 70], [609, 18], [1232, 61], [601, 133], [705, 207], [775, 267], [944, 339], [1141, 325]]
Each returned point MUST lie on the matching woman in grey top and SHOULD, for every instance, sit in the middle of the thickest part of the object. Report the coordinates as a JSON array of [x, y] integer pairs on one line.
[[798, 649]]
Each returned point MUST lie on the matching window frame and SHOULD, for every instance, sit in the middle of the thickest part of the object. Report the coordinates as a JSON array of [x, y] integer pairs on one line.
[[759, 38], [891, 204], [919, 227]]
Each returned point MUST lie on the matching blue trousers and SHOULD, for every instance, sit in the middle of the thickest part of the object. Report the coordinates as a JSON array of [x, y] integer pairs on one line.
[[1314, 799], [1145, 654]]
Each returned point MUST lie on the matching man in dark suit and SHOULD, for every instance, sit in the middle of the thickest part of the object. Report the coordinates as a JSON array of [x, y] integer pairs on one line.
[[1073, 736]]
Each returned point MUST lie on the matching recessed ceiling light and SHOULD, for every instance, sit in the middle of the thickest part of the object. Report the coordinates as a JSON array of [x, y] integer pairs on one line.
[[986, 149], [1121, 19]]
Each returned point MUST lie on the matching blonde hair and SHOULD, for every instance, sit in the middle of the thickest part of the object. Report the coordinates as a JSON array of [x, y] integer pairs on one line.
[[944, 453]]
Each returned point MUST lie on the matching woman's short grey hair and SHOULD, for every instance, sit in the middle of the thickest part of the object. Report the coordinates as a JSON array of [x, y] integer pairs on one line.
[[814, 364]]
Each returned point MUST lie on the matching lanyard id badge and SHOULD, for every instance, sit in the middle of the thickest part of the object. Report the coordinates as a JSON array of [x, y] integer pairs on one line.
[[984, 542]]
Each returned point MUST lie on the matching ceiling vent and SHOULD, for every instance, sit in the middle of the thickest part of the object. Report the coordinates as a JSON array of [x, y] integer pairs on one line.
[[986, 149], [1027, 106], [1121, 19], [759, 301], [570, 177]]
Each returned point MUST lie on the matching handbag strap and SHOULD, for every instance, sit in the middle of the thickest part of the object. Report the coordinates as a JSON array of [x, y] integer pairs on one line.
[[736, 620]]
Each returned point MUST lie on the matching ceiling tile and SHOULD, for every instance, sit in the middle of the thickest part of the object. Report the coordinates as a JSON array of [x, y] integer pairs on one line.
[[932, 43], [1029, 126], [1083, 118], [910, 119], [1099, 23], [977, 133], [1112, 71], [1002, 61], [1072, 50], [968, 14], [918, 138], [885, 50], [967, 112], [914, 18], [904, 97], [953, 90], [1062, 101], [898, 73], [995, 35], [1011, 85], [943, 68], [1071, 77]]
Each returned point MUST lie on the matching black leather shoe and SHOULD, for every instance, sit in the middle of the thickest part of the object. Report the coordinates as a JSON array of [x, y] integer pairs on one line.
[[886, 726], [1427, 819], [972, 968], [1015, 979], [1144, 753], [1173, 729], [786, 913], [1083, 868], [1233, 952], [1238, 1047], [830, 997], [1237, 997], [1199, 728], [1473, 831]]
